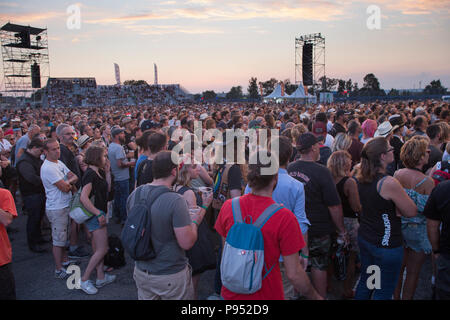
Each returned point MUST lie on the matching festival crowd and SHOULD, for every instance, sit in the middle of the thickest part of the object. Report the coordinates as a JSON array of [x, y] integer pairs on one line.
[[358, 185]]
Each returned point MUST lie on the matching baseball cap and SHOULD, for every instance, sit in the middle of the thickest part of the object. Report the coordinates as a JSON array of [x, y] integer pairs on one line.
[[340, 113], [116, 131], [319, 128], [126, 120], [146, 125], [203, 116], [306, 141]]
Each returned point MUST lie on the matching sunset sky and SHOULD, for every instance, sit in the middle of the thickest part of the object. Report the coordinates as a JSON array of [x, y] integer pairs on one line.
[[211, 44]]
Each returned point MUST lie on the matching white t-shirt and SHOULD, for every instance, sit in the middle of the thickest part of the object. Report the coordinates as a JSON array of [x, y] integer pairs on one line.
[[5, 145], [51, 173], [329, 141]]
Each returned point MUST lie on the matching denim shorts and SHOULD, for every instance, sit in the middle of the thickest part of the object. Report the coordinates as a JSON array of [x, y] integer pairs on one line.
[[92, 224], [415, 237]]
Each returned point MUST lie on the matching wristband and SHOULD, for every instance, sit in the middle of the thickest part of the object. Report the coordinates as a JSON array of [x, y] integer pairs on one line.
[[195, 222], [302, 255], [101, 214], [202, 206]]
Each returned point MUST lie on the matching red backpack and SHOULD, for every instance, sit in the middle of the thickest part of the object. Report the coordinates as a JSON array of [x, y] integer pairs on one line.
[[442, 174]]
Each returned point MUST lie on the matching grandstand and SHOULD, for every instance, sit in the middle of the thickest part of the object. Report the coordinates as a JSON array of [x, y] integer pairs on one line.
[[84, 92]]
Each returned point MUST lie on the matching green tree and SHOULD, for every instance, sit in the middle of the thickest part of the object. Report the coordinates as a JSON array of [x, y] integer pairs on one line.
[[209, 95], [327, 84], [394, 93], [371, 86], [289, 88], [235, 93], [269, 86], [435, 87], [341, 86], [253, 88]]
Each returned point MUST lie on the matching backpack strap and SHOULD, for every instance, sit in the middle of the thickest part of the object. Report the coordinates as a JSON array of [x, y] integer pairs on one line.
[[150, 194], [236, 208], [267, 214]]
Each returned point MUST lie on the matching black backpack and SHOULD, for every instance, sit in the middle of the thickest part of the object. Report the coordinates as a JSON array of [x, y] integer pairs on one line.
[[144, 173], [115, 257], [136, 237]]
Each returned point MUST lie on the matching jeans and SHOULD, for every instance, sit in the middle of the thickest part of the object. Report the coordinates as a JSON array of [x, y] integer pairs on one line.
[[35, 207], [389, 262], [121, 193]]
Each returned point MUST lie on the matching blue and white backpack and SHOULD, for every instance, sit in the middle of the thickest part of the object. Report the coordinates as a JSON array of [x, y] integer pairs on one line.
[[242, 263]]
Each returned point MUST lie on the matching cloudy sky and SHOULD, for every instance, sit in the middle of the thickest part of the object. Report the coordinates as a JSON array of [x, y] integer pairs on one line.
[[212, 44]]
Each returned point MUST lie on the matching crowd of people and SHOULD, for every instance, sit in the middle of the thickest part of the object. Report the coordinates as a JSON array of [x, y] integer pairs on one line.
[[372, 180], [74, 92]]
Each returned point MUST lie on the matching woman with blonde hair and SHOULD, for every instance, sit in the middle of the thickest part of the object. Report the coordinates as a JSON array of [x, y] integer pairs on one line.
[[414, 155], [201, 256], [339, 164], [342, 141], [380, 237]]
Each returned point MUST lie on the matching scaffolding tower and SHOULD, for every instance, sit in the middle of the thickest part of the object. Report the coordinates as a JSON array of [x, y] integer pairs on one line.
[[318, 59], [25, 56]]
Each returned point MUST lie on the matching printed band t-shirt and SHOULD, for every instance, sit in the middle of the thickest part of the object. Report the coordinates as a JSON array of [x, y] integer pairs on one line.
[[52, 172], [320, 193], [281, 234]]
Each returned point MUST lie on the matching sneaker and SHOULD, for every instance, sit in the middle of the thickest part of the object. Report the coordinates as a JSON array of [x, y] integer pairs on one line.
[[61, 274], [214, 296], [69, 262], [78, 253], [88, 287], [109, 278]]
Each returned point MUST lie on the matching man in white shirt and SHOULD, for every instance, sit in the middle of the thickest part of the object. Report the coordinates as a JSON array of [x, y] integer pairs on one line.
[[59, 182], [5, 146]]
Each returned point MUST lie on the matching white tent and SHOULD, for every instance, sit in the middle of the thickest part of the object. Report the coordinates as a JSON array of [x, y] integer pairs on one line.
[[299, 93], [276, 94]]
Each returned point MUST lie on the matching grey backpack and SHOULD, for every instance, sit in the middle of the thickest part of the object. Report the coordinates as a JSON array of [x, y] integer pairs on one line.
[[242, 263]]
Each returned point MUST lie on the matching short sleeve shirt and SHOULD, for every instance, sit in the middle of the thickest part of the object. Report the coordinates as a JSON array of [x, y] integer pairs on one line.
[[281, 234], [99, 189], [320, 192], [116, 152], [51, 173], [6, 204], [169, 211]]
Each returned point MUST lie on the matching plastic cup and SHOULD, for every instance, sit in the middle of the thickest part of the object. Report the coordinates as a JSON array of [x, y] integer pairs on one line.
[[194, 211]]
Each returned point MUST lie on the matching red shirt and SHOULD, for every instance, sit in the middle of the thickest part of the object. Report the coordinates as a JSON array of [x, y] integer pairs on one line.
[[6, 204], [281, 234]]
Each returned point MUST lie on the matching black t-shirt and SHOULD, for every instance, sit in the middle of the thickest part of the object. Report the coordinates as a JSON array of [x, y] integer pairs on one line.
[[145, 173], [235, 178], [320, 193], [438, 208], [99, 188], [68, 158]]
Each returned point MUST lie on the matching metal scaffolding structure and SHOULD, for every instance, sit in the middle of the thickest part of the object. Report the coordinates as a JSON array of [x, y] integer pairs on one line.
[[24, 49], [318, 60]]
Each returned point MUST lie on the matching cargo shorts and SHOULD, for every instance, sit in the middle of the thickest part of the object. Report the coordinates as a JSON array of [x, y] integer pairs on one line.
[[320, 252], [59, 220]]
